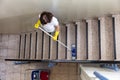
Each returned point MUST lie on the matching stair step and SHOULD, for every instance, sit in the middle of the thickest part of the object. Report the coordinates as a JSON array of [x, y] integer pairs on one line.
[[53, 49], [46, 46], [117, 36], [39, 45], [70, 38], [33, 44], [62, 38], [93, 40], [81, 40], [27, 47], [106, 32], [22, 46]]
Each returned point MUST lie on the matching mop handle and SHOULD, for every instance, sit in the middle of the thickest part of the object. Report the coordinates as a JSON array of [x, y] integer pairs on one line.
[[56, 40]]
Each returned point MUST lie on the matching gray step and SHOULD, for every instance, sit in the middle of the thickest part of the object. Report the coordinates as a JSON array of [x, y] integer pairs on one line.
[[53, 49], [22, 47], [27, 47], [106, 32], [117, 36], [62, 38], [93, 40], [81, 40], [39, 45], [70, 38], [46, 46], [33, 46]]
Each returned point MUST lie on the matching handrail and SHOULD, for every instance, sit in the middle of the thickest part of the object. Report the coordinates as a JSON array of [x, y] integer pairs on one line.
[[70, 61]]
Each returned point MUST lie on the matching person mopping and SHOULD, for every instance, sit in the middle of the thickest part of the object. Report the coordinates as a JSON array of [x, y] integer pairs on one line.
[[49, 23]]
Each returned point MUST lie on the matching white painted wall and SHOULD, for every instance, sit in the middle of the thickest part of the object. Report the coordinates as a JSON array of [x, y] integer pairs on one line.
[[20, 15]]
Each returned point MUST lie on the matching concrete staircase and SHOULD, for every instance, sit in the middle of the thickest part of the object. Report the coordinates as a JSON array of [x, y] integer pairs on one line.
[[95, 39]]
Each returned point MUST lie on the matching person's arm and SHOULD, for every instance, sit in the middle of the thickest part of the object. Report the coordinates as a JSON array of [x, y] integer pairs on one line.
[[57, 30]]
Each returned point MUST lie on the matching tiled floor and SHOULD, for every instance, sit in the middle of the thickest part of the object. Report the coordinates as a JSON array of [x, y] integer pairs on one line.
[[65, 71], [62, 71], [10, 71]]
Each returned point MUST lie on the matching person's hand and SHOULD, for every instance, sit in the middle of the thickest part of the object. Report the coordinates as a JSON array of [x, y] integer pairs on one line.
[[37, 24], [55, 35], [54, 38]]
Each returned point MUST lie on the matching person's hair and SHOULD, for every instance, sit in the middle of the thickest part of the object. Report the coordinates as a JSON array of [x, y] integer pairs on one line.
[[48, 15]]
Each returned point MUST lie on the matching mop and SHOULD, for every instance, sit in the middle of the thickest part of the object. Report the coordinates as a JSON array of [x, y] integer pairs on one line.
[[72, 49]]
